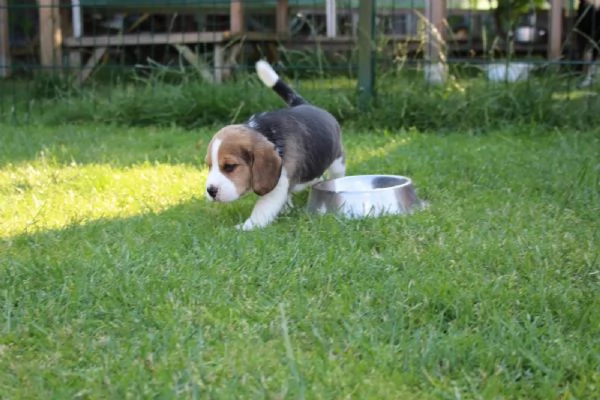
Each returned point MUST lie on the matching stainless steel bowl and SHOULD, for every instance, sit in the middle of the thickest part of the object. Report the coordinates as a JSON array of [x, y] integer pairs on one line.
[[364, 195]]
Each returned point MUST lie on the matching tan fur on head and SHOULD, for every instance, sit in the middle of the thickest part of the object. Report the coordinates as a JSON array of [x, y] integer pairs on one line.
[[245, 160]]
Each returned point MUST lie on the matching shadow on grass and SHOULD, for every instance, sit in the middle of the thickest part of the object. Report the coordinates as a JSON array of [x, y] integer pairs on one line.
[[103, 144], [198, 234], [125, 146]]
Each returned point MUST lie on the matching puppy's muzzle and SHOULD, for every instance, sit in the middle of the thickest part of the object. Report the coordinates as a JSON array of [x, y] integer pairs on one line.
[[212, 191]]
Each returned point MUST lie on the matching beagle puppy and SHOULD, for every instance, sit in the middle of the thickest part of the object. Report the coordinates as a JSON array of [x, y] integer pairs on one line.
[[274, 153]]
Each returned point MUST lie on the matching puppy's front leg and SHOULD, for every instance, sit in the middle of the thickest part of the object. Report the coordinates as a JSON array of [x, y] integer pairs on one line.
[[268, 206]]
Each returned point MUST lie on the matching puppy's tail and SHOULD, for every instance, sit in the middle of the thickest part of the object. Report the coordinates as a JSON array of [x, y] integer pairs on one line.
[[271, 79]]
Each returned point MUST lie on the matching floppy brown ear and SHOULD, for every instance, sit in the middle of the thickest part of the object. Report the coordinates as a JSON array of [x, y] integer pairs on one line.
[[266, 167]]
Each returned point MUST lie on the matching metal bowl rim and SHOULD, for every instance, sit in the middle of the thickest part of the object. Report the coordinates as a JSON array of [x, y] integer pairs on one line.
[[407, 183]]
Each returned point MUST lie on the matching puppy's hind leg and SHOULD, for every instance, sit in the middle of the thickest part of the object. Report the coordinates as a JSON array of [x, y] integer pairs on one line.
[[337, 169], [268, 206]]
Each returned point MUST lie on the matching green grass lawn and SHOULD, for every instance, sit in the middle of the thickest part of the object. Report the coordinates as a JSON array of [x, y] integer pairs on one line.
[[118, 280]]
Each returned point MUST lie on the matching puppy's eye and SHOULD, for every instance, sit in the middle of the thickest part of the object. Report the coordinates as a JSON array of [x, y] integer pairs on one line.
[[229, 167]]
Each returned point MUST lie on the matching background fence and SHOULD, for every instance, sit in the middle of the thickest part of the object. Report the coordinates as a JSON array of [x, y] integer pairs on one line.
[[63, 51]]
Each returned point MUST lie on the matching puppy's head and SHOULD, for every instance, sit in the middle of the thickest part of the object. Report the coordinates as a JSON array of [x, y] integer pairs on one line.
[[240, 160]]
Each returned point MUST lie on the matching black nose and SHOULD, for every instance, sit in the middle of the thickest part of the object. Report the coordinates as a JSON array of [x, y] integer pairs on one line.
[[212, 191]]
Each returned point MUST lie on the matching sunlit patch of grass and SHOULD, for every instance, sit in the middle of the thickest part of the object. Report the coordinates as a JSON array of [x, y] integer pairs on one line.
[[575, 94], [38, 196], [55, 177], [331, 83], [376, 146]]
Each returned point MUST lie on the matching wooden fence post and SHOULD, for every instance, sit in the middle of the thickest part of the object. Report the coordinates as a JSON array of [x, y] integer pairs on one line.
[[50, 35], [556, 30], [436, 30], [436, 70], [281, 16], [5, 59], [236, 15]]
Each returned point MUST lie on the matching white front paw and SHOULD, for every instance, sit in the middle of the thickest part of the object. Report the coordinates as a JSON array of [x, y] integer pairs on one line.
[[247, 226]]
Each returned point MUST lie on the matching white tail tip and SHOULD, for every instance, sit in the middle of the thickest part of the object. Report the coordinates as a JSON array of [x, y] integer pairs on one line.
[[266, 73]]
